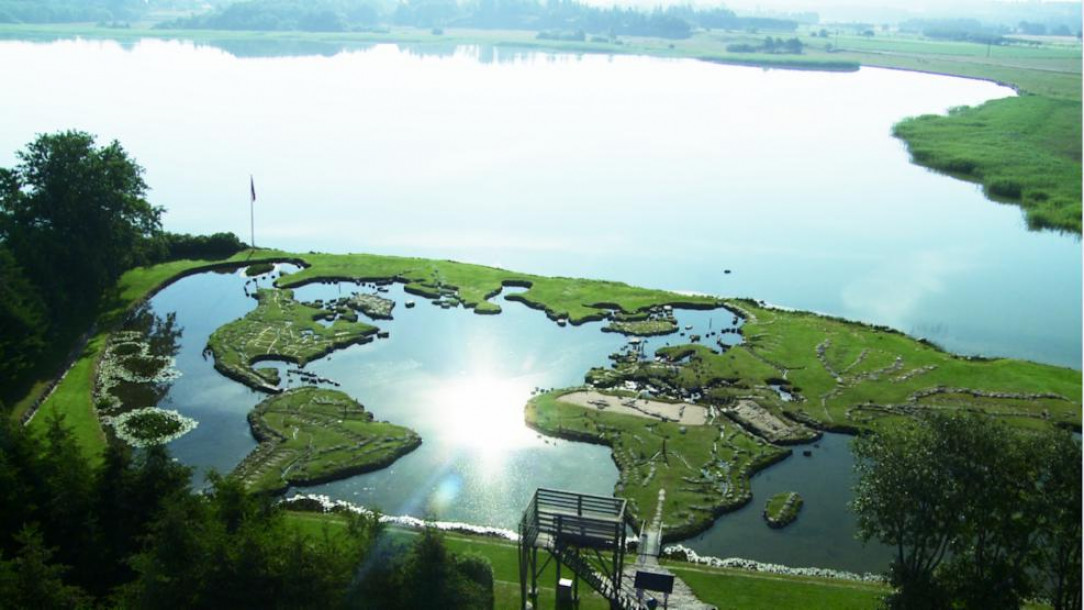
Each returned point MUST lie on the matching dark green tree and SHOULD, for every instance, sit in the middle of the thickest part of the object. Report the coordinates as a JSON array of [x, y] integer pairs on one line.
[[23, 322], [33, 580], [981, 515], [899, 500], [1058, 509], [75, 216]]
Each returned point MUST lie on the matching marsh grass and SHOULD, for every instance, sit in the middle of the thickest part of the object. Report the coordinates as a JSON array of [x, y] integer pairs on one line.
[[1024, 150]]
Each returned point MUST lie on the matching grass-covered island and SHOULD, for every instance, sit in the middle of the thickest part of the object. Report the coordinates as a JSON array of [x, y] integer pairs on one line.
[[315, 435], [782, 509], [282, 329]]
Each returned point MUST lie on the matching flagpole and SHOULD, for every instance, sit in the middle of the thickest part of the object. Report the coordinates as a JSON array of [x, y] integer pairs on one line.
[[252, 210]]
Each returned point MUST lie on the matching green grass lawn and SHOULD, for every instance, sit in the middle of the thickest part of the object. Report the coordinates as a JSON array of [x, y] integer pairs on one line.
[[722, 587], [741, 589]]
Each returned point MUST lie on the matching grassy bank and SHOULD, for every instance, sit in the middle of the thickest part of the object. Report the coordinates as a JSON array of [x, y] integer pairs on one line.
[[1023, 150], [71, 397], [724, 588]]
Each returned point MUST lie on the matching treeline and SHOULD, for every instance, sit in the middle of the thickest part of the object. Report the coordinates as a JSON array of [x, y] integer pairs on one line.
[[131, 534], [96, 11], [64, 11], [791, 46], [555, 15], [960, 30], [73, 218]]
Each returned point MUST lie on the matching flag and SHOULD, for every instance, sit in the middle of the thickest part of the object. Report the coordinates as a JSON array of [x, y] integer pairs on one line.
[[252, 189]]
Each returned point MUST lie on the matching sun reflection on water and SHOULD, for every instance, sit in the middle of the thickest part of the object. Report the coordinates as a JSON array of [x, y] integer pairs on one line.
[[483, 414]]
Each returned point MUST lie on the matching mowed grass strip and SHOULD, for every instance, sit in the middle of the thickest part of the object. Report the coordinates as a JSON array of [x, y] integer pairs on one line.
[[722, 587]]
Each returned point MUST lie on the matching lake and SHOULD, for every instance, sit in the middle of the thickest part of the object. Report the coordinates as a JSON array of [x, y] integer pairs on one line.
[[659, 173]]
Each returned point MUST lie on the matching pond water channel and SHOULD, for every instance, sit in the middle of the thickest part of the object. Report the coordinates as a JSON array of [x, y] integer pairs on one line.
[[780, 185], [460, 380]]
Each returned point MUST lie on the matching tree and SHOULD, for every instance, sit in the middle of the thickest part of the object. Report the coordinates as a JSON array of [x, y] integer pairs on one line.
[[75, 216], [898, 500], [22, 323], [33, 580], [981, 515], [1058, 508]]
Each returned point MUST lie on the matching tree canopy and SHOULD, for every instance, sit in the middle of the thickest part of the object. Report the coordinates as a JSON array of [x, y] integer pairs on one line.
[[981, 515], [130, 533], [75, 215]]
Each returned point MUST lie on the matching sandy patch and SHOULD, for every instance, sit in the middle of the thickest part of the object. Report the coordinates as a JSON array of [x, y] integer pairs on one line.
[[691, 415]]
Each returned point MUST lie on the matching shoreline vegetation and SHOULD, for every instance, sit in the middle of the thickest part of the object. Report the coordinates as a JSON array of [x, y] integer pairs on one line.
[[995, 144], [839, 375]]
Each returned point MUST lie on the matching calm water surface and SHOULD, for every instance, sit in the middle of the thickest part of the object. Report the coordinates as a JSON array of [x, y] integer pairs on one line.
[[660, 173], [656, 172]]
